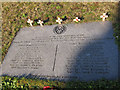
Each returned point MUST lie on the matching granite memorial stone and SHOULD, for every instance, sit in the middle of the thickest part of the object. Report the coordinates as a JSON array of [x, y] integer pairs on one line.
[[83, 52]]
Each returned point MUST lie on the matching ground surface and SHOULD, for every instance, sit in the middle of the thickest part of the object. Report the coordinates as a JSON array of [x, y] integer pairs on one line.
[[15, 15]]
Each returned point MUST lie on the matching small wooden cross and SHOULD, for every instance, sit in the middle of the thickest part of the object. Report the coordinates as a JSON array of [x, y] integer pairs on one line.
[[59, 20], [103, 16], [30, 22], [40, 22], [76, 19]]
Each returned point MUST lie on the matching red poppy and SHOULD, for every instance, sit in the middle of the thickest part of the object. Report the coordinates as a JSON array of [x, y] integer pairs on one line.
[[76, 19], [46, 87]]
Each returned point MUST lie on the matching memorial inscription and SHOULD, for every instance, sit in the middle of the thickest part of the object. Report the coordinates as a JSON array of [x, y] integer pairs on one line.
[[84, 51]]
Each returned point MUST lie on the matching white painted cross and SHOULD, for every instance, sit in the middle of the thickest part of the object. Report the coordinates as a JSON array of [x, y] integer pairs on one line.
[[103, 16], [76, 19], [59, 20], [40, 22], [30, 22]]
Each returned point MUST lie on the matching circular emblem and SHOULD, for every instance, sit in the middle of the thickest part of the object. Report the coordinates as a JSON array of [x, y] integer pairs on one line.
[[59, 29]]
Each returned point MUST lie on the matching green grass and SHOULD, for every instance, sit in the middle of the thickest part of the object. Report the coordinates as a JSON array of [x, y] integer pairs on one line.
[[24, 83], [15, 16]]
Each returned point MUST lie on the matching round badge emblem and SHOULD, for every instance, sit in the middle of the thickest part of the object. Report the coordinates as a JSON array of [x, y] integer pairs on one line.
[[59, 29]]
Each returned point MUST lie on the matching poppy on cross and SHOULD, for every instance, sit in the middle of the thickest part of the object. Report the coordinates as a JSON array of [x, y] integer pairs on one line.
[[76, 19], [103, 16]]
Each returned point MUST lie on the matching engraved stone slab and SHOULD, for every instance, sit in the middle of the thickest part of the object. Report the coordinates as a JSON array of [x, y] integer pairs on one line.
[[71, 52]]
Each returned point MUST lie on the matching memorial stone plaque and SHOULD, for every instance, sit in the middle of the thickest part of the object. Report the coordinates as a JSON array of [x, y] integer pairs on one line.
[[83, 52]]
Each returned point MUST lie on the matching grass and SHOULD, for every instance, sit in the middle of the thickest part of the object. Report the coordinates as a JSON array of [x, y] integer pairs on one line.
[[26, 84], [15, 15]]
